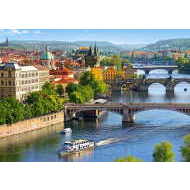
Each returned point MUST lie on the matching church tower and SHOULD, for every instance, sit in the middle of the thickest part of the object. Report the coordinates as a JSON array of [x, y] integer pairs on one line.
[[7, 42]]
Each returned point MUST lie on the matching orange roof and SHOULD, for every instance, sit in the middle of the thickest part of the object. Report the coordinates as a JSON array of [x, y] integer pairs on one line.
[[65, 81], [40, 67]]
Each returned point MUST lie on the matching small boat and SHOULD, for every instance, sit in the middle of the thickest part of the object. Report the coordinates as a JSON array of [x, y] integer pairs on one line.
[[76, 146], [66, 131], [185, 89]]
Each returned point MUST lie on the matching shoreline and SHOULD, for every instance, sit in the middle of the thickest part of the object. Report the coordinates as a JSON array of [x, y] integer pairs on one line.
[[31, 124]]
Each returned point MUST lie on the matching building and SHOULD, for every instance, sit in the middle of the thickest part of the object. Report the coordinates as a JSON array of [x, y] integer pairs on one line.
[[18, 81], [97, 72], [82, 51], [92, 59], [109, 74], [63, 76], [5, 44], [43, 74], [47, 59]]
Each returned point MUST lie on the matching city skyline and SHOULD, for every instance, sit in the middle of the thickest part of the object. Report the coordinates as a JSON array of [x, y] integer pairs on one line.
[[117, 36]]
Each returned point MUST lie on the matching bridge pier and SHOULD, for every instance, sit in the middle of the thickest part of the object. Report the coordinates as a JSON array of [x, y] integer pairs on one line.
[[170, 89], [128, 117], [146, 73], [170, 73]]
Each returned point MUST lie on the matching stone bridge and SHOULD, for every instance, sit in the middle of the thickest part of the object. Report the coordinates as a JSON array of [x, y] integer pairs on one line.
[[127, 110], [142, 85], [148, 68]]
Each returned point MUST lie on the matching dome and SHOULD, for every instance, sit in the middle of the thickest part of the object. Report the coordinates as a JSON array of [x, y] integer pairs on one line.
[[46, 56]]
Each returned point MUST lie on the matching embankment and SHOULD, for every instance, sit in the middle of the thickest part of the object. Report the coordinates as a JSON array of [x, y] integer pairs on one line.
[[31, 124]]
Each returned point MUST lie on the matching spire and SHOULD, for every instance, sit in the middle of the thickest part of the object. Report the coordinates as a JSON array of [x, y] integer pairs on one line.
[[46, 48], [90, 51], [95, 50], [7, 42]]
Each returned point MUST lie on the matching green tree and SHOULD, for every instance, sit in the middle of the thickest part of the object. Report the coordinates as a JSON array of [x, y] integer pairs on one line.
[[106, 61], [128, 159], [77, 97], [59, 89], [185, 150], [116, 61], [99, 87], [87, 92], [48, 89], [163, 152], [87, 78], [72, 87]]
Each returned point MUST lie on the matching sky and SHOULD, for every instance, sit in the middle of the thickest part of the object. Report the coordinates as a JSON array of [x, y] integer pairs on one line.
[[123, 36]]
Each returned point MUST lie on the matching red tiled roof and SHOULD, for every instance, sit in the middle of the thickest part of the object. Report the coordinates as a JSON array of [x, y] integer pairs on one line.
[[65, 81]]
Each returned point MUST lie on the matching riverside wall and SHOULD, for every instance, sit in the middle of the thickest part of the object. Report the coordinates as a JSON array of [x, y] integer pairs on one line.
[[31, 124]]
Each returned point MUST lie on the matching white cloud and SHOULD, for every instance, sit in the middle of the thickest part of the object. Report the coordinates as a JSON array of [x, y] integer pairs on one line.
[[16, 31]]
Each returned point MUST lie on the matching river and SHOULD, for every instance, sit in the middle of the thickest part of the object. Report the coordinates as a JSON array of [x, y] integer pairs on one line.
[[150, 128]]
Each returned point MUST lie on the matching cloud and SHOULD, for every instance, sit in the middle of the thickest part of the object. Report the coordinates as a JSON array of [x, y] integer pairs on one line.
[[16, 31]]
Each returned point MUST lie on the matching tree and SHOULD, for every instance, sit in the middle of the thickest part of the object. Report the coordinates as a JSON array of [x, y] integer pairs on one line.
[[99, 87], [77, 97], [163, 152], [87, 78], [116, 61], [106, 61], [185, 150], [128, 159], [48, 89], [59, 90], [87, 92], [72, 87]]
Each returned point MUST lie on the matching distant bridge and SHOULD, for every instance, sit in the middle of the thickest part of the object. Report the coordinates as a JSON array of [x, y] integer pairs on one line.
[[143, 84], [148, 68], [128, 110]]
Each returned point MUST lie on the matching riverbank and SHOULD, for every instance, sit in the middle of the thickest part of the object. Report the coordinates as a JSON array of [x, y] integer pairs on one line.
[[31, 124]]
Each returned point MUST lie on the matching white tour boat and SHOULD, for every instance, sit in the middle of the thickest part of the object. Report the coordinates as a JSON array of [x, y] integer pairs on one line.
[[66, 131], [76, 146]]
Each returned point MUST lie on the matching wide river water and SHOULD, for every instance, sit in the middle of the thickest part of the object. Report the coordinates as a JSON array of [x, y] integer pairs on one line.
[[150, 128]]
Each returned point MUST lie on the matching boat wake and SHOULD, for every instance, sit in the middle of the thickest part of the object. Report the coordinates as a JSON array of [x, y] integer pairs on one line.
[[107, 141]]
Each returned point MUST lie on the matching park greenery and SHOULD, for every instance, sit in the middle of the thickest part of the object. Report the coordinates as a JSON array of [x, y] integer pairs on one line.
[[87, 88], [183, 64], [128, 159], [39, 103], [163, 152], [185, 149], [114, 60]]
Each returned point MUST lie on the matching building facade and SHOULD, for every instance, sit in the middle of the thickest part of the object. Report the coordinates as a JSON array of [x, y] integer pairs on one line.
[[97, 72], [44, 75], [18, 81]]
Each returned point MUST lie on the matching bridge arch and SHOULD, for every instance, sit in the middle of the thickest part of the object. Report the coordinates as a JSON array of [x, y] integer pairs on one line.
[[165, 71], [135, 112], [73, 113], [152, 113]]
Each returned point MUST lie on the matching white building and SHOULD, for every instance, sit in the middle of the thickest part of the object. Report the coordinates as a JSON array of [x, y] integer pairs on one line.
[[17, 81]]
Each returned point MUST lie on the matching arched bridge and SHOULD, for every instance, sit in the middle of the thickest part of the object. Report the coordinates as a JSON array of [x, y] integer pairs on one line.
[[128, 110], [169, 83], [148, 68]]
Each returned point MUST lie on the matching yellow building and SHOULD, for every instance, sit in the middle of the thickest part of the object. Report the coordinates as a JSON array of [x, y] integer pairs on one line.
[[97, 72], [110, 74]]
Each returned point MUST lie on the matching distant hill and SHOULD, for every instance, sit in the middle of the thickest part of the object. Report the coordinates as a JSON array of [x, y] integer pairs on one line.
[[65, 45], [173, 44]]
